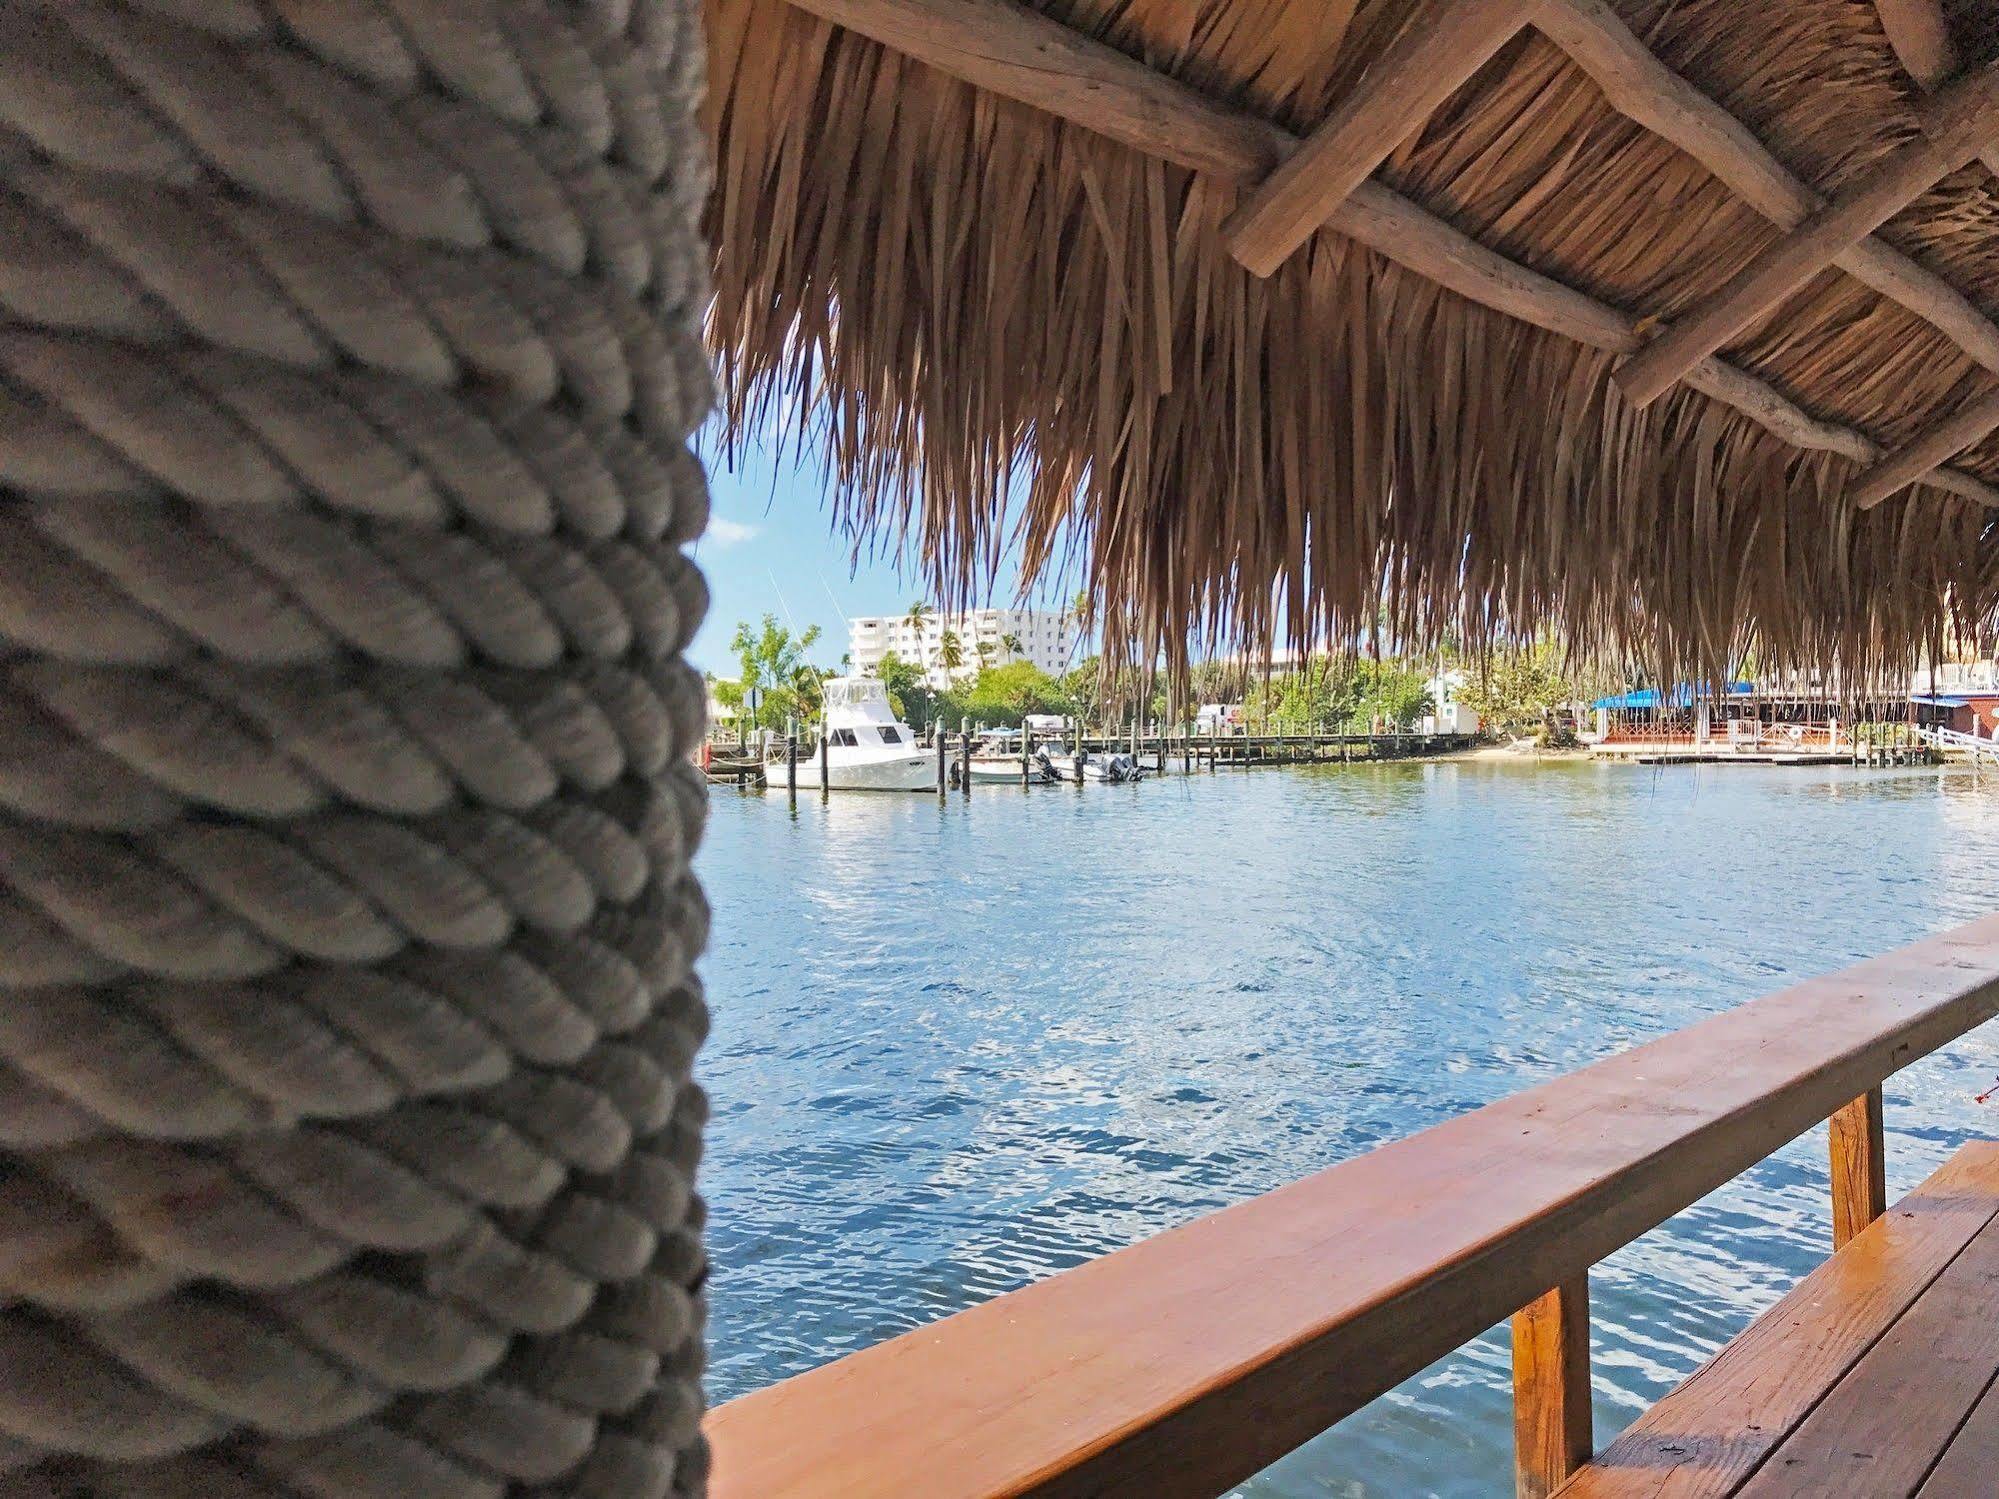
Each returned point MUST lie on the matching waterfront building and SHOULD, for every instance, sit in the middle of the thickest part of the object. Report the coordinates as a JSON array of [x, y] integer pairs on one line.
[[1449, 715], [985, 637], [722, 717], [1959, 695]]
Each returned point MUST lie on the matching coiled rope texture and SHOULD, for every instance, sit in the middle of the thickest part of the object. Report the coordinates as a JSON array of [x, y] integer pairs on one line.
[[348, 354]]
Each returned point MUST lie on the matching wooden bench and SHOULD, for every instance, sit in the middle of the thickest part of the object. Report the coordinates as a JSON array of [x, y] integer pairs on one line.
[[1179, 1366], [1875, 1376]]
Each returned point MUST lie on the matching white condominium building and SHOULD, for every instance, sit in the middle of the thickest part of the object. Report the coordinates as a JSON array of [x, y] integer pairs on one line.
[[988, 637]]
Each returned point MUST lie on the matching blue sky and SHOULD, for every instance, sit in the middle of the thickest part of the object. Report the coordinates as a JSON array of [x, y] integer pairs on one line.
[[771, 549]]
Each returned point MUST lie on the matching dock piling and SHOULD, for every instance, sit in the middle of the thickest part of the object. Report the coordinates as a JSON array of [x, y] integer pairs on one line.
[[938, 735], [825, 764]]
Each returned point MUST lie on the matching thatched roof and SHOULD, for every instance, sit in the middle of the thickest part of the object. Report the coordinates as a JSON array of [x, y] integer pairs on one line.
[[1007, 324]]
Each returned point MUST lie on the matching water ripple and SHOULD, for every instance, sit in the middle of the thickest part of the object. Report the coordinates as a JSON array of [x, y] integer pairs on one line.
[[960, 1047]]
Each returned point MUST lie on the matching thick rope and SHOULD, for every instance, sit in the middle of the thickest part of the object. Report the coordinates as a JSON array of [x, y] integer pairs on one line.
[[348, 358]]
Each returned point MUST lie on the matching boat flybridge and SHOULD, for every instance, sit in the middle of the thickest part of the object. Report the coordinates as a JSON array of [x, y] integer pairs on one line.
[[867, 747]]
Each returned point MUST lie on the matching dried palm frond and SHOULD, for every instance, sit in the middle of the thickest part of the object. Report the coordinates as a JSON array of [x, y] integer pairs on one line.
[[1009, 332]]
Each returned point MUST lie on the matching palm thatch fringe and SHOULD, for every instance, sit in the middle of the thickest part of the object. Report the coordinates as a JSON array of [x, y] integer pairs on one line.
[[1009, 332]]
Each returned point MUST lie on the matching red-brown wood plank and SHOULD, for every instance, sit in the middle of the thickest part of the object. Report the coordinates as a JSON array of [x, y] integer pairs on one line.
[[1185, 1363], [1884, 1425], [1702, 1440], [1969, 1468]]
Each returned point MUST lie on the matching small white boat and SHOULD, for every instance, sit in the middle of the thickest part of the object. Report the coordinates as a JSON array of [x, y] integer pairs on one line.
[[1116, 766], [867, 747], [1060, 767], [1098, 767], [997, 770], [996, 762]]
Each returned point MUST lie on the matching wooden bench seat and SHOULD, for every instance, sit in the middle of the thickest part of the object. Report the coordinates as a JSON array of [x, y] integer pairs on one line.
[[1874, 1377]]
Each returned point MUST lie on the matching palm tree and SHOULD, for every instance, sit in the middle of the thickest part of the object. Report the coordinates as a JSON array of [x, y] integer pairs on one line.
[[1011, 644], [918, 612], [950, 652], [1077, 612]]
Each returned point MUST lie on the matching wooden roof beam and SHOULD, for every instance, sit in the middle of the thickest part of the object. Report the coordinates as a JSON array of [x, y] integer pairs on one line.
[[1965, 119], [1399, 230], [1922, 41], [1018, 54], [1975, 419], [1438, 50], [1643, 89], [1023, 55]]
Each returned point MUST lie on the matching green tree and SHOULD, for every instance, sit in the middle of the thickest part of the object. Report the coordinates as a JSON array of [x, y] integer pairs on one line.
[[1085, 685], [918, 612], [1002, 696], [772, 662], [1519, 691], [1010, 643], [1394, 694], [1323, 693], [950, 651]]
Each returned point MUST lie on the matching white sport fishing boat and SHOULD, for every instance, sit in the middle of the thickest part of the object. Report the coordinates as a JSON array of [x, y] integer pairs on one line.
[[867, 747]]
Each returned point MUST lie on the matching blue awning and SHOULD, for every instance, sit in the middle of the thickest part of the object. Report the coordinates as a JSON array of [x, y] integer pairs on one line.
[[1647, 699]]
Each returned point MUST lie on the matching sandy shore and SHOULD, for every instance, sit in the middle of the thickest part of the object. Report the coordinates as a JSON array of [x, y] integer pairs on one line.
[[1514, 756]]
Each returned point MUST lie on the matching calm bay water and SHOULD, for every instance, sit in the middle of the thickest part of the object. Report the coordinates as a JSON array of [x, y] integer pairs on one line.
[[960, 1047]]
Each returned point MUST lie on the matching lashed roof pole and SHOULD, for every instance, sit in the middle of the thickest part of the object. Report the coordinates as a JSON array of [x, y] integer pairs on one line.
[[1644, 90], [1023, 55], [1917, 31], [1438, 50], [1966, 118], [1976, 419], [1020, 54]]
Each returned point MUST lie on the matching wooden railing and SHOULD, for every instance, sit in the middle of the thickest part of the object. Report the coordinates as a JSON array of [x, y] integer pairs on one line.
[[1179, 1366]]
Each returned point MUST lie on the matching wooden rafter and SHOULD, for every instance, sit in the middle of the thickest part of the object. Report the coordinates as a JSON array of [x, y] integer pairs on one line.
[[1922, 41], [1966, 118], [1022, 55], [1019, 54], [1439, 49], [1921, 38], [1975, 419], [1643, 89]]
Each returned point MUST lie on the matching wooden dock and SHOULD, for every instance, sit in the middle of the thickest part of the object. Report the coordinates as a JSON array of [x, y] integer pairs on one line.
[[1161, 754], [1173, 753], [1907, 749]]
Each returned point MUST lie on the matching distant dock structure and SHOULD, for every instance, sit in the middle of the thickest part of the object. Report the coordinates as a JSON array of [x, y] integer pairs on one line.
[[1746, 724]]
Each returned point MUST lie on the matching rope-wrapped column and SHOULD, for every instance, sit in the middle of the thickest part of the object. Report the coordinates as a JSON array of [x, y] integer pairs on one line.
[[348, 355]]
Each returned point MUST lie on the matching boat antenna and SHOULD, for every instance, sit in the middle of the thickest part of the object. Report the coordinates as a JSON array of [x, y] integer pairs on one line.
[[789, 623], [845, 623], [792, 625]]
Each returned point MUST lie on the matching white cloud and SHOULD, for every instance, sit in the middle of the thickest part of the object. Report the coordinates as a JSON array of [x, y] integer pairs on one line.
[[724, 532]]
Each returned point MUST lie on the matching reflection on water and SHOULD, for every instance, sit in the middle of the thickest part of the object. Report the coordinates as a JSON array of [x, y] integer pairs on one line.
[[959, 1047]]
